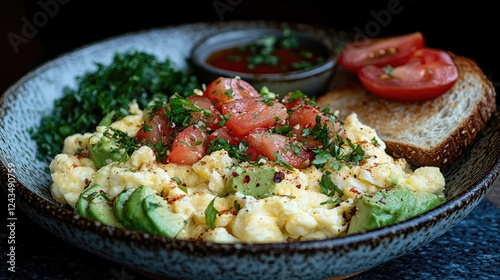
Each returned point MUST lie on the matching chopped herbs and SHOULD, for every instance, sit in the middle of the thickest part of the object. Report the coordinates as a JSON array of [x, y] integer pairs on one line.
[[389, 71], [103, 96], [328, 187], [238, 151]]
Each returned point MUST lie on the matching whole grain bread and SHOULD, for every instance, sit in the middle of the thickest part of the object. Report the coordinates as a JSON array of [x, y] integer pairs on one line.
[[432, 133]]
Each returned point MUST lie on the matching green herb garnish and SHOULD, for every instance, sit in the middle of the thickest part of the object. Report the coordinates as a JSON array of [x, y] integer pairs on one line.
[[103, 96], [211, 214]]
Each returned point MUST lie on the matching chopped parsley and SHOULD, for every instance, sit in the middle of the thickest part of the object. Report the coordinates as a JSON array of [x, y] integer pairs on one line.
[[104, 95]]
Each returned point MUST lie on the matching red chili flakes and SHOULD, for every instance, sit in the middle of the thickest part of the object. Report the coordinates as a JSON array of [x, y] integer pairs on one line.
[[354, 190], [246, 180]]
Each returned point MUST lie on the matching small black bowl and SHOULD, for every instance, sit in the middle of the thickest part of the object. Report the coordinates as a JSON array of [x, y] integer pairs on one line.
[[314, 80]]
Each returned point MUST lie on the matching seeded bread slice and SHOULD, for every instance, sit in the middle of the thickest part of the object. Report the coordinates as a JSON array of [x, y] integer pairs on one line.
[[432, 133]]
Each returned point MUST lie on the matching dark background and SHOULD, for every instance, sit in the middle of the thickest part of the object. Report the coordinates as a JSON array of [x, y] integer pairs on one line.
[[467, 30], [63, 25]]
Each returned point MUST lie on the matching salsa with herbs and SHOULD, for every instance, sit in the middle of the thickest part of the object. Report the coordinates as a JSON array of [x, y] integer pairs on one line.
[[234, 116], [269, 55]]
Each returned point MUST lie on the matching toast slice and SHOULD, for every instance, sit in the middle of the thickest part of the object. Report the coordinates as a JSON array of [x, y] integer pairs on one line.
[[432, 133]]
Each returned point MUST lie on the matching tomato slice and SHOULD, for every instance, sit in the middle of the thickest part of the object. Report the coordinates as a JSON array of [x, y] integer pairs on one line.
[[429, 74], [269, 145], [188, 146], [247, 114], [393, 51], [223, 90]]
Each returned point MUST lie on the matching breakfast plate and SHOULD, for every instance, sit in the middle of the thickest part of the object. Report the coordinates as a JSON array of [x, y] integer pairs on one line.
[[25, 102]]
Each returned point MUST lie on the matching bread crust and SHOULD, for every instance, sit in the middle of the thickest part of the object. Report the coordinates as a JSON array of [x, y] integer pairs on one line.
[[432, 133]]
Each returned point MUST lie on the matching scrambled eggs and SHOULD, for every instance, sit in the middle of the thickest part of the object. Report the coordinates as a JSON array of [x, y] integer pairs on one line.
[[297, 210]]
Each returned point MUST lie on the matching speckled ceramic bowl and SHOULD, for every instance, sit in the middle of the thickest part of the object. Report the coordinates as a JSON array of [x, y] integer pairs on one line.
[[312, 81], [23, 104]]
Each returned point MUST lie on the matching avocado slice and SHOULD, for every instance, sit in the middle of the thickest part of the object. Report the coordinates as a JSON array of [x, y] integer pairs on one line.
[[82, 204], [119, 206], [257, 181], [165, 222], [135, 213], [105, 151], [94, 204], [390, 206], [100, 209]]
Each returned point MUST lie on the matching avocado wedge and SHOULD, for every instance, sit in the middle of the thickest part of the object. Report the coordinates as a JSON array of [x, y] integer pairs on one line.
[[390, 206]]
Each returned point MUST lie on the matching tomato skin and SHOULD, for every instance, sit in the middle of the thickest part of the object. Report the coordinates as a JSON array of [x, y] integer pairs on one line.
[[157, 129], [247, 114], [429, 74], [212, 121], [393, 51], [294, 103], [268, 144], [188, 146], [304, 117], [224, 134], [223, 90]]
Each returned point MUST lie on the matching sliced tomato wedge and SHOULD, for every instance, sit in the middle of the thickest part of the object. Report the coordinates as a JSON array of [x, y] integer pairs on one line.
[[429, 74], [247, 114], [223, 90], [393, 51], [188, 146], [271, 145]]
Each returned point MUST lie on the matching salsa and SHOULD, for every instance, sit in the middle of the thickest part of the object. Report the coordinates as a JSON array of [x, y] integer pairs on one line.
[[270, 54]]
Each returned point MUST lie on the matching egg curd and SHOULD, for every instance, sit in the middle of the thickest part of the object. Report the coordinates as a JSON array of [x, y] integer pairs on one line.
[[298, 208]]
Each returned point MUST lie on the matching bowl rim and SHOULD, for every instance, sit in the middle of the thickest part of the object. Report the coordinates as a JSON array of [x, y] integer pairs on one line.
[[468, 198], [198, 56]]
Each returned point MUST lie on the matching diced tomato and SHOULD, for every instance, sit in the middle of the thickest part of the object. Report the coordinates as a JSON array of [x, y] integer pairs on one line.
[[293, 100], [304, 117], [247, 114], [188, 146], [224, 134], [210, 121], [157, 129], [269, 145], [223, 90]]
